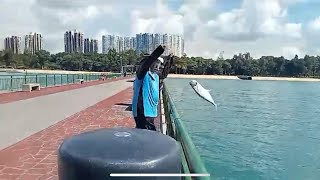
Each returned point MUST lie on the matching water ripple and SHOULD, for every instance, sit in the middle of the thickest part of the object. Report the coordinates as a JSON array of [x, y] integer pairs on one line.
[[262, 130]]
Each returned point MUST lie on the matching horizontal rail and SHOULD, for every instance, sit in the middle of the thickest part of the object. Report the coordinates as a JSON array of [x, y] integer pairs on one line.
[[15, 81]]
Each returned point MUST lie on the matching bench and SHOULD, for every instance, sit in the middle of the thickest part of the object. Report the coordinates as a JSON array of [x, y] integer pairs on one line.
[[80, 81], [31, 87], [103, 78]]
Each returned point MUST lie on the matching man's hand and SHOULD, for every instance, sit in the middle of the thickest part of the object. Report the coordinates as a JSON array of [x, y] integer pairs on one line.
[[167, 66]]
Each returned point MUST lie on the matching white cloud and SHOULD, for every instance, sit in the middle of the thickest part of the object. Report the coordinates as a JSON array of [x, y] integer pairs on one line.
[[255, 19], [157, 20], [314, 24], [257, 26], [290, 52]]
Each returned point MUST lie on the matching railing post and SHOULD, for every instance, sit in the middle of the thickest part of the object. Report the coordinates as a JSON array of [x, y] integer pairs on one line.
[[46, 80], [36, 78], [25, 79], [11, 82], [54, 80], [61, 79], [73, 78]]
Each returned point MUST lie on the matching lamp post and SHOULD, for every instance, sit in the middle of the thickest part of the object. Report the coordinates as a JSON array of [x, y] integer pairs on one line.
[[121, 69]]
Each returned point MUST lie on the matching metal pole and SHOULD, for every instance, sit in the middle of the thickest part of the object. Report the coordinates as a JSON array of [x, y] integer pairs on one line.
[[121, 65], [11, 83], [54, 80], [46, 80]]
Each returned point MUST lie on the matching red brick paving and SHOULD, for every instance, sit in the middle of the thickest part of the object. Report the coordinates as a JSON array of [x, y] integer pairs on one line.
[[35, 157], [20, 95]]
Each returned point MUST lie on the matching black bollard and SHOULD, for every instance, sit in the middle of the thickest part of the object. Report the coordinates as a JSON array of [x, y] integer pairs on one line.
[[95, 155]]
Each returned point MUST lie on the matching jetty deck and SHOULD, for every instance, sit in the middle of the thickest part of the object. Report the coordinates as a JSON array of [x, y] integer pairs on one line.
[[33, 125]]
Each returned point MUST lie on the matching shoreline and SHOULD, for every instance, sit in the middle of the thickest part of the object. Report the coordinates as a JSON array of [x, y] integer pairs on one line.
[[38, 71], [258, 78]]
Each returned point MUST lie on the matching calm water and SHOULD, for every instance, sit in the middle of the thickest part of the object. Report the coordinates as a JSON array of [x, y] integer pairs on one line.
[[262, 129]]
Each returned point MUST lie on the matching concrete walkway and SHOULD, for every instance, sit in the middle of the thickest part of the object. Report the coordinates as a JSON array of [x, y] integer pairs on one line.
[[21, 119], [35, 158]]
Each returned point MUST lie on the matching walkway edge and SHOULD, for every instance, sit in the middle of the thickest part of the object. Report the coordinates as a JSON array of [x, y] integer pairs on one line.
[[66, 119]]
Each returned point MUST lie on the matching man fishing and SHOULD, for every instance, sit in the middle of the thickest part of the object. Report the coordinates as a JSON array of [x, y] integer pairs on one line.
[[149, 79]]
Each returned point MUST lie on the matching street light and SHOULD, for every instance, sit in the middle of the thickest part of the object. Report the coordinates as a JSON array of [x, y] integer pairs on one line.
[[121, 69]]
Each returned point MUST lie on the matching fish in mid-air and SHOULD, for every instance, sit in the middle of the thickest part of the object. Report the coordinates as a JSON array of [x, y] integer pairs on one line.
[[202, 92]]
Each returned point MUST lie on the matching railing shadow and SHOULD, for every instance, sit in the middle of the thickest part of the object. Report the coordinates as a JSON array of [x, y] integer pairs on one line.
[[128, 108]]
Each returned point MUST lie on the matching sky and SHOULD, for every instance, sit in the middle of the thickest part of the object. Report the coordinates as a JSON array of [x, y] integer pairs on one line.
[[261, 27]]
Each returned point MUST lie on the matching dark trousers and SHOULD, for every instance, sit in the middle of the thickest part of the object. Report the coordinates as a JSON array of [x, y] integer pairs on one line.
[[143, 122]]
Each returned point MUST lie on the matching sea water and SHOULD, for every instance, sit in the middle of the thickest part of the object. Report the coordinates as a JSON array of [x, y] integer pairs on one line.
[[262, 129]]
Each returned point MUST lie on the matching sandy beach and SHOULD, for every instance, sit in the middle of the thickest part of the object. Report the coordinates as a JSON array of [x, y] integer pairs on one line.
[[236, 78], [36, 71]]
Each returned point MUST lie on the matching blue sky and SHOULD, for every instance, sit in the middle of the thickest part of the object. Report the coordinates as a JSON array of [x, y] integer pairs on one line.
[[261, 27], [304, 11]]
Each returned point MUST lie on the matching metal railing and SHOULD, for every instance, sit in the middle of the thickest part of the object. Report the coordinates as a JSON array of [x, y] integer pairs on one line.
[[191, 160], [15, 82]]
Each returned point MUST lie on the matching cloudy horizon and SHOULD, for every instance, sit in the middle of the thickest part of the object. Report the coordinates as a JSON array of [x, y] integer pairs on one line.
[[261, 27]]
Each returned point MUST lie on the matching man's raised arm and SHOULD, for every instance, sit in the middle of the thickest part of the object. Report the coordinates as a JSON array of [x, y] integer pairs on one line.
[[167, 66], [148, 61]]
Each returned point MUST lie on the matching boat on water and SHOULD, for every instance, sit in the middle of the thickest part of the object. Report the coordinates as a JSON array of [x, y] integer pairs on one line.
[[245, 77]]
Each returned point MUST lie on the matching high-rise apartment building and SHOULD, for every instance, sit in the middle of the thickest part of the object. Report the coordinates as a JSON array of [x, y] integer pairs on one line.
[[144, 43], [94, 46], [13, 43], [73, 42], [167, 41], [139, 44], [126, 43], [129, 43], [86, 45], [33, 43], [106, 41], [133, 43], [176, 47], [110, 42], [90, 45], [121, 44], [157, 40]]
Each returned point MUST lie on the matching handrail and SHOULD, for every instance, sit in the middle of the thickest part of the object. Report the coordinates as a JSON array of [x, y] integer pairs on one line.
[[177, 130], [15, 81]]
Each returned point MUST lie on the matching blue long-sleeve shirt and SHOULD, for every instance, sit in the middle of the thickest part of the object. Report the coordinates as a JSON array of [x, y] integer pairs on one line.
[[146, 87], [149, 89]]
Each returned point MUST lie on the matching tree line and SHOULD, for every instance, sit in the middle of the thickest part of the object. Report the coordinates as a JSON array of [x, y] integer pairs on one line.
[[69, 61], [240, 64], [244, 64]]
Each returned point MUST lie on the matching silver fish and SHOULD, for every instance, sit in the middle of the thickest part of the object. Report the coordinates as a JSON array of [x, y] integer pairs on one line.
[[202, 92]]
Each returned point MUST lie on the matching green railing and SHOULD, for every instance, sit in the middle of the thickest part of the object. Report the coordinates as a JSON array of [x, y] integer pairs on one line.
[[191, 160], [15, 82]]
